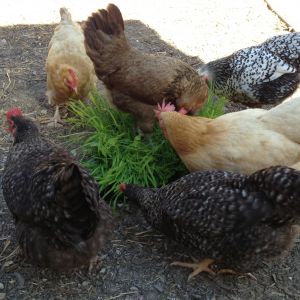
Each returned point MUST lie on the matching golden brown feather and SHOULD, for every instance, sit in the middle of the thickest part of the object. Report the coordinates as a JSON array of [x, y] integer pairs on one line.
[[243, 141], [138, 81]]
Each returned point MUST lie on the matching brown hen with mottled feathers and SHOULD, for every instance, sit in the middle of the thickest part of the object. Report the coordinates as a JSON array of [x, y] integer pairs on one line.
[[138, 81], [61, 221]]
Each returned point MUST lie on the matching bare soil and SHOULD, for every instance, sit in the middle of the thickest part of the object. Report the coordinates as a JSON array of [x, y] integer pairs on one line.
[[136, 263]]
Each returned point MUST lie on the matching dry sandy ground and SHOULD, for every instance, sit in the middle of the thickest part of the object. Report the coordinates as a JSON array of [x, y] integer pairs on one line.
[[209, 29], [135, 265]]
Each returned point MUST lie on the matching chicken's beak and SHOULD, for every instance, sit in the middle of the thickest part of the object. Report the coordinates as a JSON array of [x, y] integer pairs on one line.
[[75, 90]]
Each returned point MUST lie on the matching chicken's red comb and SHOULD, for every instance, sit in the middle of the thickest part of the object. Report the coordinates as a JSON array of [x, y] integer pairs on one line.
[[164, 108], [13, 112], [122, 187]]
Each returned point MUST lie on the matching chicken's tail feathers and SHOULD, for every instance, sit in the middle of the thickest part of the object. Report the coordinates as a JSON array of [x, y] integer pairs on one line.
[[77, 198], [109, 21], [65, 14], [105, 40], [281, 185]]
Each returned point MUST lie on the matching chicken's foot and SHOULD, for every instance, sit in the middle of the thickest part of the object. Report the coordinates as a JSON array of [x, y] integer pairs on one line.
[[94, 262], [55, 121], [198, 267]]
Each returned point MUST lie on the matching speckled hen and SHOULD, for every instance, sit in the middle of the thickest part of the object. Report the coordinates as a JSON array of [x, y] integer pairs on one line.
[[226, 218], [263, 74], [61, 221]]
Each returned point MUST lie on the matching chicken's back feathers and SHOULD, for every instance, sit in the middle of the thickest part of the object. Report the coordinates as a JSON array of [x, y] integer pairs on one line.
[[262, 74], [233, 218], [55, 202]]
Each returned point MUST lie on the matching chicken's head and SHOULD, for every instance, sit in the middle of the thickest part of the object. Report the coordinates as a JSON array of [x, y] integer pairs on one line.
[[169, 107], [71, 80], [193, 98], [13, 112], [19, 126]]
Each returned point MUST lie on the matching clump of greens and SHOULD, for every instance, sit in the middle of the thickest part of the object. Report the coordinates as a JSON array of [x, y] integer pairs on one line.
[[114, 153], [214, 106]]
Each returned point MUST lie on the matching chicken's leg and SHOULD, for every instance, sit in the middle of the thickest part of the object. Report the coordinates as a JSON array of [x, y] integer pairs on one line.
[[142, 112], [55, 121], [230, 271], [57, 118], [198, 267]]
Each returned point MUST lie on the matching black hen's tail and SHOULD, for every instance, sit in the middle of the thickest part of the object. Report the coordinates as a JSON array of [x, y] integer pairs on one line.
[[65, 198], [78, 197], [105, 40], [281, 185]]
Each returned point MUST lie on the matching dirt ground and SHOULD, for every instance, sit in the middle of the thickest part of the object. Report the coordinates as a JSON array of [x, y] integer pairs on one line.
[[136, 263]]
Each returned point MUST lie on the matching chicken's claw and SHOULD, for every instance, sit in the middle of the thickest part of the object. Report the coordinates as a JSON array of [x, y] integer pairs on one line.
[[198, 267]]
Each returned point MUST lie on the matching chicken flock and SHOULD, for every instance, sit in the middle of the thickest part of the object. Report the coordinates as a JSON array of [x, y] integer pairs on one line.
[[241, 202]]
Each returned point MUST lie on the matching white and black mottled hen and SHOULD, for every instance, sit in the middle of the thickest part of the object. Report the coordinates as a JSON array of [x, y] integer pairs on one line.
[[61, 221], [227, 218], [263, 74]]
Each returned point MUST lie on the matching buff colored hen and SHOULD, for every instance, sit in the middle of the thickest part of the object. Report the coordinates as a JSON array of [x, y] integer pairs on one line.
[[243, 141], [70, 72]]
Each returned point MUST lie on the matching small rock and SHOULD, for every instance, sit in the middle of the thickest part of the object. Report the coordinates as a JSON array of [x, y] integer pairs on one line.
[[118, 252], [102, 271], [134, 288], [85, 283], [44, 279], [2, 296], [1, 286], [158, 286], [20, 280], [3, 43], [44, 111]]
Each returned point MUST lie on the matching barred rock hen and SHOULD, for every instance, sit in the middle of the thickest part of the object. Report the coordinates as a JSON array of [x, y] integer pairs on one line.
[[70, 72], [61, 222], [242, 142], [137, 81], [263, 74], [226, 218]]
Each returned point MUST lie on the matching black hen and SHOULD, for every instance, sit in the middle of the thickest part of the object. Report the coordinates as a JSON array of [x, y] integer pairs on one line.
[[233, 219], [61, 221], [263, 74]]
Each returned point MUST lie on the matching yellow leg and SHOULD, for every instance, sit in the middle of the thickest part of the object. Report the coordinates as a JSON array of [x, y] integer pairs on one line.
[[57, 118], [198, 267], [55, 121], [229, 271]]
